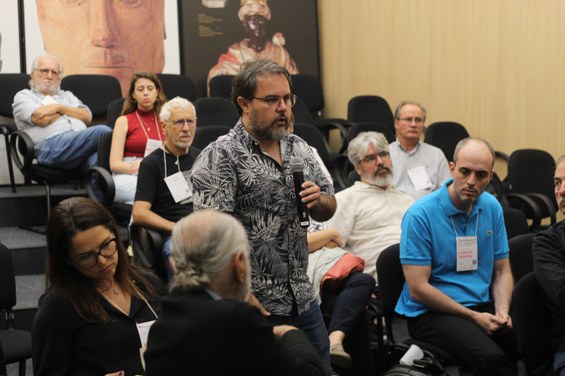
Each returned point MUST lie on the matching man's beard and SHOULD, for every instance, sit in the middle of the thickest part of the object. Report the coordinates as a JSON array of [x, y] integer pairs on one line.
[[379, 181], [47, 88], [268, 132]]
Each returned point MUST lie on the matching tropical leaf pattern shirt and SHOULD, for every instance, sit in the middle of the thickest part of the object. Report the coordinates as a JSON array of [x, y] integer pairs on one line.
[[234, 175]]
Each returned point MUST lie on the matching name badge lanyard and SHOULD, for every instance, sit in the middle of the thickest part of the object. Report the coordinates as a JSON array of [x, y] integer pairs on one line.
[[143, 126], [466, 249], [165, 159]]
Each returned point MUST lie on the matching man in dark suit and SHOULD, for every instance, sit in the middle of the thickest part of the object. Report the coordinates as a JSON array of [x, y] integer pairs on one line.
[[205, 326]]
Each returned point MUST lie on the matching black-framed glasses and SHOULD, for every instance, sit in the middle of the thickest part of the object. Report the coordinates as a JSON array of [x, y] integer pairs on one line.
[[45, 72], [417, 120], [181, 122], [89, 259], [274, 101], [372, 158]]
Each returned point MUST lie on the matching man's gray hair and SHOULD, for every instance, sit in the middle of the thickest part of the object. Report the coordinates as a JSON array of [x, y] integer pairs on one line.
[[465, 141], [357, 148], [559, 160], [404, 103], [175, 103], [35, 64], [203, 244]]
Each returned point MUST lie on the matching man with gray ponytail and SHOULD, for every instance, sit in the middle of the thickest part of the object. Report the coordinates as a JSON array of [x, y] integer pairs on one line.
[[205, 326]]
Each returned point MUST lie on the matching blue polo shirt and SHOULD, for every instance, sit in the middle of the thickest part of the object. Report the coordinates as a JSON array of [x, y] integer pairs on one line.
[[428, 238]]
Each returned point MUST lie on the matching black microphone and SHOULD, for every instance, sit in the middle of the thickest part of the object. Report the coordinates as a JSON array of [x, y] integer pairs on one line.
[[297, 169]]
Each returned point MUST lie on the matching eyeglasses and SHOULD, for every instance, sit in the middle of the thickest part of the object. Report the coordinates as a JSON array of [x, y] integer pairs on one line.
[[90, 259], [45, 72], [371, 158], [273, 101], [417, 120], [181, 122]]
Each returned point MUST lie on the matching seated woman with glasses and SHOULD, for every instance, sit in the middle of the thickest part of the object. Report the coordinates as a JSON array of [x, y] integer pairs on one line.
[[98, 307], [136, 133]]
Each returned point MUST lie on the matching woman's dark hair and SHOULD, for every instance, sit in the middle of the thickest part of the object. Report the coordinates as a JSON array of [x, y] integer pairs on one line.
[[66, 220], [130, 105]]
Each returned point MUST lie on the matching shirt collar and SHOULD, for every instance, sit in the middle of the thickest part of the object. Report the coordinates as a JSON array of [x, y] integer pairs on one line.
[[450, 209], [406, 151]]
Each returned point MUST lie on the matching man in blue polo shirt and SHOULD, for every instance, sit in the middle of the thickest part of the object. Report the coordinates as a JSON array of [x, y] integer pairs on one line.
[[454, 247]]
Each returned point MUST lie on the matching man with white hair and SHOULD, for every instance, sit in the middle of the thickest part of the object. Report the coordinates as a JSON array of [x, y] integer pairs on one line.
[[205, 326], [56, 120], [163, 194], [369, 213]]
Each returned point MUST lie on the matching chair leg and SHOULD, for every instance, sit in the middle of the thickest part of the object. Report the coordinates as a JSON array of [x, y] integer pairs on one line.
[[22, 368], [48, 198], [10, 166]]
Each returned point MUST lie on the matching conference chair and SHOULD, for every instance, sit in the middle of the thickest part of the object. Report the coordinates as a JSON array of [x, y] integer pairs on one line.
[[530, 173], [220, 86], [532, 322], [215, 111], [206, 135], [15, 344], [521, 256], [515, 222], [177, 85], [445, 135], [360, 127], [391, 281], [114, 111], [370, 108], [147, 247], [96, 91], [11, 84], [302, 114]]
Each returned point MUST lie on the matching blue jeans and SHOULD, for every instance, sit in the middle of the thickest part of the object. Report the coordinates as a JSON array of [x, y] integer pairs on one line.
[[71, 150], [559, 363], [312, 323]]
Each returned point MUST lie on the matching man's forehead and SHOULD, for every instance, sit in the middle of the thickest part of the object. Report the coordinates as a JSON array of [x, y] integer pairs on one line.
[[178, 112], [560, 169], [272, 81]]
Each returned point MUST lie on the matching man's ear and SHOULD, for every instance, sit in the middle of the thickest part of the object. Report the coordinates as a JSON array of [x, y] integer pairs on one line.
[[240, 266], [243, 103]]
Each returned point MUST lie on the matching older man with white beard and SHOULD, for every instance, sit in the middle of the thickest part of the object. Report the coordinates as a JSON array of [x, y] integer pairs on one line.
[[370, 212]]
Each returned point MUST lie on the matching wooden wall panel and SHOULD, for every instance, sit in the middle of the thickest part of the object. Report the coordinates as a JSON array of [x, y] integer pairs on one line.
[[495, 66]]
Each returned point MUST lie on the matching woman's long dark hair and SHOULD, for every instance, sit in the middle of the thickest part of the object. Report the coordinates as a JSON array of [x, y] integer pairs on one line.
[[67, 219], [130, 105]]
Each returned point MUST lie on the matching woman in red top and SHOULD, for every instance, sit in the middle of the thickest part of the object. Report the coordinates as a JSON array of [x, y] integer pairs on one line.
[[136, 133]]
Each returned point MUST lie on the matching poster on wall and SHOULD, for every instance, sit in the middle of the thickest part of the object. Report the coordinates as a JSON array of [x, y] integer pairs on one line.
[[9, 38], [218, 35], [115, 38]]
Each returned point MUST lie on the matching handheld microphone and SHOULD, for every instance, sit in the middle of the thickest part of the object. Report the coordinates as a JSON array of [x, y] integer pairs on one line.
[[297, 169]]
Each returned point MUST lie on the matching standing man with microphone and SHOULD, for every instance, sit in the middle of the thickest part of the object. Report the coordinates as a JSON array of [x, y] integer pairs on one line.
[[248, 173]]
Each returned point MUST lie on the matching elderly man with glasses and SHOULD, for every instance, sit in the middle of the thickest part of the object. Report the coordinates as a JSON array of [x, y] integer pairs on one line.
[[56, 120], [369, 213], [163, 194], [420, 168]]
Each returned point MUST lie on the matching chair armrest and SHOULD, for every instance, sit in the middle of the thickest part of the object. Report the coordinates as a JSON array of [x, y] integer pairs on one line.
[[325, 125], [147, 244], [501, 155], [527, 205], [342, 167], [103, 180], [544, 202], [21, 149]]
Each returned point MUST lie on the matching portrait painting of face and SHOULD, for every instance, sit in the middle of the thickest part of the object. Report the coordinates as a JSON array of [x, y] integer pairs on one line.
[[112, 37]]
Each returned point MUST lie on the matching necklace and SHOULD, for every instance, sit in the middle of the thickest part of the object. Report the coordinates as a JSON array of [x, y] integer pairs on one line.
[[148, 127], [115, 290]]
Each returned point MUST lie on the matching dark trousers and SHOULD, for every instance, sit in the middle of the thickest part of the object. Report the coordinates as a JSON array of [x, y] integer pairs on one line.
[[472, 348], [346, 309]]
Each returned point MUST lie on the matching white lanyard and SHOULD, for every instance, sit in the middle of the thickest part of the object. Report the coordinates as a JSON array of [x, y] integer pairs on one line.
[[165, 159], [143, 126], [476, 226]]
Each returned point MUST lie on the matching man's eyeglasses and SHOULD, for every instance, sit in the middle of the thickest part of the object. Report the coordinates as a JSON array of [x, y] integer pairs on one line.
[[274, 101], [90, 259], [45, 72], [181, 122], [372, 158], [417, 120]]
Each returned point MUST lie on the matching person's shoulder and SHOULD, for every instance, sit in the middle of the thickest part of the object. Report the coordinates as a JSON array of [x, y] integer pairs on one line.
[[426, 203], [24, 94], [52, 304], [554, 233]]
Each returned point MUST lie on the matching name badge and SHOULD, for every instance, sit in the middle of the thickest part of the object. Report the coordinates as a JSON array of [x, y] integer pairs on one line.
[[419, 178], [143, 331], [151, 145], [467, 255], [178, 187]]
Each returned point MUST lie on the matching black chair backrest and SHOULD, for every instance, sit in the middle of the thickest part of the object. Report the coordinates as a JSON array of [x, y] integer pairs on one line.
[[370, 127], [445, 135], [301, 112], [531, 320], [114, 111], [104, 146], [11, 83], [177, 85], [313, 137], [220, 86], [309, 88], [94, 90], [390, 277], [531, 171], [515, 221], [370, 108], [206, 135], [215, 111], [147, 250], [7, 279], [520, 254]]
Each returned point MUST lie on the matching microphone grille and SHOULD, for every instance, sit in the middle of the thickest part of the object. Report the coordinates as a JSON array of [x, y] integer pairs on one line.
[[296, 164]]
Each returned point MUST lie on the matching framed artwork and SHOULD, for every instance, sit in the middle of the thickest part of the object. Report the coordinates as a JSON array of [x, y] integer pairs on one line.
[[218, 35], [9, 38], [114, 38]]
